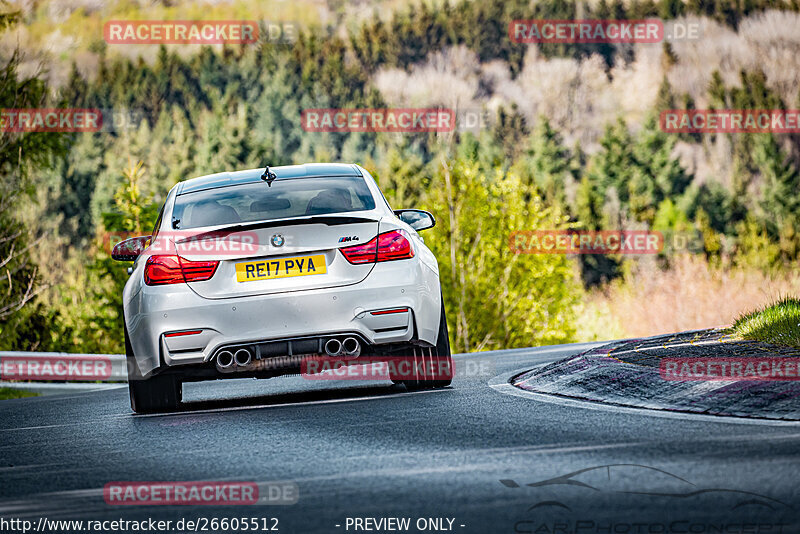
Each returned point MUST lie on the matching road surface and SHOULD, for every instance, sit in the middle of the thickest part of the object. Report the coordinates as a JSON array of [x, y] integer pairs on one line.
[[459, 459]]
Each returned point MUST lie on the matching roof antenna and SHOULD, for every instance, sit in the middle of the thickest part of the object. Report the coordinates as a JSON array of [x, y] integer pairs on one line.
[[268, 176]]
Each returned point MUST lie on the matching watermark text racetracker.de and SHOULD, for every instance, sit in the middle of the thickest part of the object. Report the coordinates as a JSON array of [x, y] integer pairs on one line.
[[756, 368], [730, 120], [573, 241], [586, 31], [405, 367], [19, 120], [207, 32], [201, 493], [63, 120], [586, 242], [180, 32], [595, 31], [189, 243], [71, 367], [378, 120]]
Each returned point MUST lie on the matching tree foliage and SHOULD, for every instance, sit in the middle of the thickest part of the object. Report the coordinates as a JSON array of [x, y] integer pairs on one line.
[[496, 298], [21, 154], [240, 108]]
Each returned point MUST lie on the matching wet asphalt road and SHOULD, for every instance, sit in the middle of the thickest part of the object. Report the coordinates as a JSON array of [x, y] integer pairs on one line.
[[357, 450]]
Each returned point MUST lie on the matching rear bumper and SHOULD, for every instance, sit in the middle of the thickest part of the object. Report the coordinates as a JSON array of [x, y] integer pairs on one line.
[[155, 311]]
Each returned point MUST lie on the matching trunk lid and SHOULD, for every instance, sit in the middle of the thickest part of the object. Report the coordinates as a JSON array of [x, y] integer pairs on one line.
[[281, 255]]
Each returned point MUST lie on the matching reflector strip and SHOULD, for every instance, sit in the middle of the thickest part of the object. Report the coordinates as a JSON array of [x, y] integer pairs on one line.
[[184, 333], [386, 312]]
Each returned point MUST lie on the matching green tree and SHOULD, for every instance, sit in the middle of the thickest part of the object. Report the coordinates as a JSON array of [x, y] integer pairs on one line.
[[754, 247], [496, 298], [509, 131], [20, 155], [95, 323], [547, 164], [779, 204], [608, 174], [657, 175], [666, 98], [614, 164], [402, 176]]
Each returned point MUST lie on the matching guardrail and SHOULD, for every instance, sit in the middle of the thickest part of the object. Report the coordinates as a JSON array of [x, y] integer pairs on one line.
[[62, 367]]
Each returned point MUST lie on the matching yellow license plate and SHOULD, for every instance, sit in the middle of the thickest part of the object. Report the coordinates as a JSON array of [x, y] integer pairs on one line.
[[251, 271]]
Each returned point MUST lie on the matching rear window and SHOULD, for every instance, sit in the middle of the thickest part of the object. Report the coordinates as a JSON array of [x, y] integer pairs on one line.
[[296, 197]]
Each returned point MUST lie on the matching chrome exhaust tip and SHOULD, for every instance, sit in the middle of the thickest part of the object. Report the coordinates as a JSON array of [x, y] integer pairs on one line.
[[242, 357], [224, 359], [333, 347], [351, 347]]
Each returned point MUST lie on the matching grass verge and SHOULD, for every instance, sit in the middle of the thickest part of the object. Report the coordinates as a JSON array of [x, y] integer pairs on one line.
[[13, 393], [777, 323]]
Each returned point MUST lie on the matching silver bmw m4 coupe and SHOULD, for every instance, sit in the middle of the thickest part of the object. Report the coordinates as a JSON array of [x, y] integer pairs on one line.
[[284, 270]]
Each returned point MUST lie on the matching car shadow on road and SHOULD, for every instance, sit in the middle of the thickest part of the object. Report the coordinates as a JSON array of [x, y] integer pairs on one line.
[[290, 398]]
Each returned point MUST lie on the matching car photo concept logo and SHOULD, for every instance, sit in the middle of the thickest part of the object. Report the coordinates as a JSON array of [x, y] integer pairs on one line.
[[559, 504]]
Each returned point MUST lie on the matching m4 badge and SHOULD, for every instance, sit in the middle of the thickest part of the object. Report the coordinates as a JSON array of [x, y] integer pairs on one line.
[[346, 238]]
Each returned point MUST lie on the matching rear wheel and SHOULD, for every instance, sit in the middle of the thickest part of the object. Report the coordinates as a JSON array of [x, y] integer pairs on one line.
[[433, 366], [443, 357], [160, 393]]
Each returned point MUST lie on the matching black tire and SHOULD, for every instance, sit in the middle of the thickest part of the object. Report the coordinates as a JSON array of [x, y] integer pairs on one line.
[[443, 356], [437, 358], [159, 393]]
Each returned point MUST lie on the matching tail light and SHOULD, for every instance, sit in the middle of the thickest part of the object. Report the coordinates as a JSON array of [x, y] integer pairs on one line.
[[388, 246], [198, 271], [161, 270]]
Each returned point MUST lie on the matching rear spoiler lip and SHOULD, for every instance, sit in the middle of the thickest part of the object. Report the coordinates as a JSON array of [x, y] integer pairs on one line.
[[329, 220]]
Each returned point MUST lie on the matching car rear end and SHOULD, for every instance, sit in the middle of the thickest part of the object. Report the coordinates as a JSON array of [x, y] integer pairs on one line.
[[250, 278]]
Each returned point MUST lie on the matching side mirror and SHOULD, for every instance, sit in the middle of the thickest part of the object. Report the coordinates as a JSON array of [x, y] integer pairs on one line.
[[130, 249], [416, 219]]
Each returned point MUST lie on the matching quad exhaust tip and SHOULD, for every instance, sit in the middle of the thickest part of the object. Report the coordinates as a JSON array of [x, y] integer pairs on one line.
[[333, 347], [227, 359], [224, 359], [351, 347], [242, 357]]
